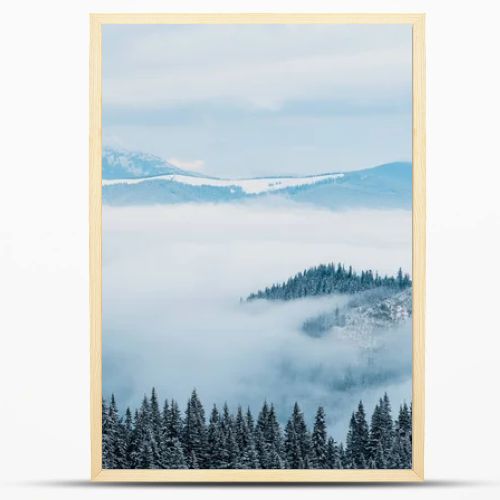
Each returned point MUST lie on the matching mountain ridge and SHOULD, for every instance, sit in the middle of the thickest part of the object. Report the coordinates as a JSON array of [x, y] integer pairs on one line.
[[131, 178]]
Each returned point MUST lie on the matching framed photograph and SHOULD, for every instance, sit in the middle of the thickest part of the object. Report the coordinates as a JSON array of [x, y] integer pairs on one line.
[[257, 247]]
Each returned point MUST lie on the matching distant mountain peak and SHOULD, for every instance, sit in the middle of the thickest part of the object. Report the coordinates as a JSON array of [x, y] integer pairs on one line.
[[120, 163]]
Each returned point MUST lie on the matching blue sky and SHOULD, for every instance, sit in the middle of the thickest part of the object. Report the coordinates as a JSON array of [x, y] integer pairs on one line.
[[250, 100]]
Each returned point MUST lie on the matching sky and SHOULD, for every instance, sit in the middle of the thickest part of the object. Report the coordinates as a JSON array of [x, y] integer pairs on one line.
[[257, 100]]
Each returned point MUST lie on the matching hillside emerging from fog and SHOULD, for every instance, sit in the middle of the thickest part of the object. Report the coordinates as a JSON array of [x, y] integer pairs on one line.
[[374, 303], [326, 279]]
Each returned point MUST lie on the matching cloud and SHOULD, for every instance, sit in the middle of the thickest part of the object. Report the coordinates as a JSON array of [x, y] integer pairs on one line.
[[262, 66], [196, 165]]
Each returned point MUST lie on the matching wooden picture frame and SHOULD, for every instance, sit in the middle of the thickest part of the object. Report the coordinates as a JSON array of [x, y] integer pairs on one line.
[[97, 21]]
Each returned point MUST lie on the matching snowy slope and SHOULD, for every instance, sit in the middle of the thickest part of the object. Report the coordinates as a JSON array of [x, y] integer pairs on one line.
[[248, 186], [364, 314]]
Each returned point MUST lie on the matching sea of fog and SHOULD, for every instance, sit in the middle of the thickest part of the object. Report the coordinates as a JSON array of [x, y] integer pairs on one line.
[[173, 277]]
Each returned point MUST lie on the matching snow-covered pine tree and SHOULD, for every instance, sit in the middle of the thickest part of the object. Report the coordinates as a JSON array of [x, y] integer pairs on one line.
[[342, 456], [195, 433], [174, 430], [241, 429], [250, 421], [263, 419], [128, 430], [293, 454], [156, 431], [248, 457], [232, 449], [261, 436], [217, 457], [298, 446], [274, 460], [319, 441], [274, 438], [119, 442], [357, 443], [165, 441], [376, 430], [381, 456], [143, 454], [113, 437], [403, 432], [165, 420], [107, 437], [174, 456], [333, 458], [261, 448], [387, 424]]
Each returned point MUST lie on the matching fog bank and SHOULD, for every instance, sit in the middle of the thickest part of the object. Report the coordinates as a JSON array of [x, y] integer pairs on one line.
[[172, 280]]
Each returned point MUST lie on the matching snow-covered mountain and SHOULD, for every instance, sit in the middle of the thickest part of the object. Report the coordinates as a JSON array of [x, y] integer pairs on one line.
[[123, 164], [140, 179], [364, 314]]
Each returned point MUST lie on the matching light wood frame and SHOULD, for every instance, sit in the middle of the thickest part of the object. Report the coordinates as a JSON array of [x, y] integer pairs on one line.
[[95, 210]]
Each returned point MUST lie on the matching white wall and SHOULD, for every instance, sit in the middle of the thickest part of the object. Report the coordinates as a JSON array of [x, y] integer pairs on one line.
[[44, 447]]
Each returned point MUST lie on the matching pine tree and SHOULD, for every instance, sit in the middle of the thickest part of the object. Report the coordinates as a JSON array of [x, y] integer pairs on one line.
[[119, 443], [273, 437], [195, 433], [376, 430], [174, 455], [380, 457], [403, 435], [156, 431], [113, 442], [165, 442], [107, 443], [250, 421], [293, 452], [262, 419], [174, 429], [274, 460], [134, 442], [233, 451], [319, 441], [249, 459], [248, 456], [298, 446], [342, 457], [143, 456], [216, 454], [261, 448], [241, 429], [333, 458], [128, 431], [387, 426], [357, 440], [262, 436]]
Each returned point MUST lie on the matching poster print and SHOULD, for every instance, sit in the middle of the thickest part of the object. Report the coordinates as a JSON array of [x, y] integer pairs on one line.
[[257, 247]]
